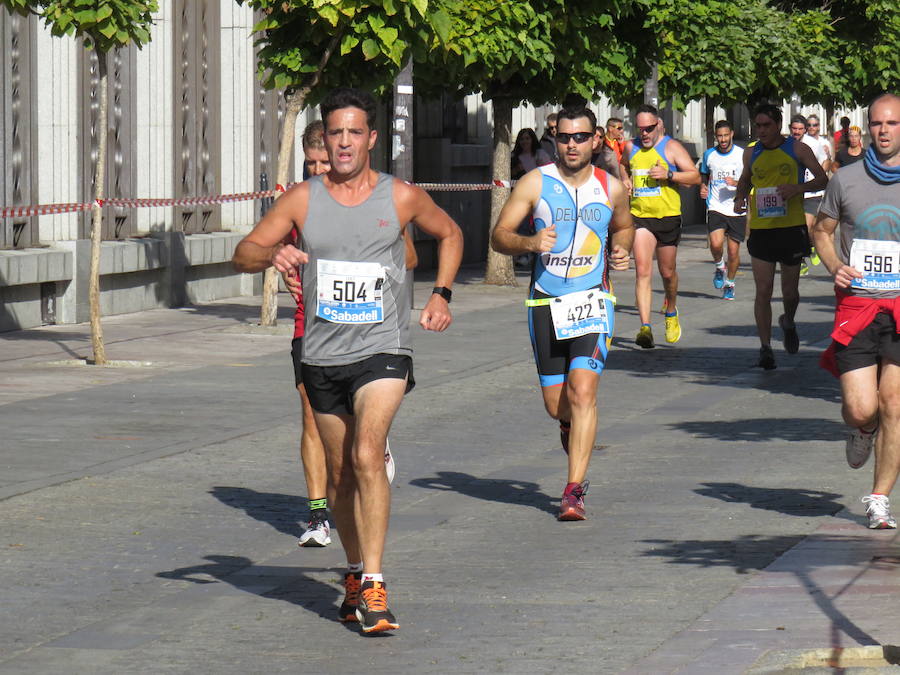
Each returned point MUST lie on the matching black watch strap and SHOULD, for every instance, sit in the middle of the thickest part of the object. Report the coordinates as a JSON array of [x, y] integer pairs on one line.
[[443, 291]]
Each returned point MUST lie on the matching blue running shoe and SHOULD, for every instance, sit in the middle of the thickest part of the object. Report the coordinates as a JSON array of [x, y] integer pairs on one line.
[[719, 278], [728, 293]]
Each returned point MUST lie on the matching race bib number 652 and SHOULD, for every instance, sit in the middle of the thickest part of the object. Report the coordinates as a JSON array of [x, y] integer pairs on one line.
[[349, 292]]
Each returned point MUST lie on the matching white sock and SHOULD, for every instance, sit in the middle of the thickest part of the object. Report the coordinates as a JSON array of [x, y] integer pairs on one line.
[[720, 264], [729, 282], [373, 577], [356, 568]]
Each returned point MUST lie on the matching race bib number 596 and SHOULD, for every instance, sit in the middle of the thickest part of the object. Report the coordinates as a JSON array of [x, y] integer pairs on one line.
[[879, 263], [349, 292]]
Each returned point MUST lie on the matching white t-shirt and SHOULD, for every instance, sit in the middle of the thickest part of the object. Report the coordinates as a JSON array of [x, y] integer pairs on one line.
[[822, 150], [718, 165]]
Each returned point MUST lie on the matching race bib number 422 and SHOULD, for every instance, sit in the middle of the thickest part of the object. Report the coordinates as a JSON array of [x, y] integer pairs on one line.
[[879, 263], [577, 314], [349, 292], [769, 203]]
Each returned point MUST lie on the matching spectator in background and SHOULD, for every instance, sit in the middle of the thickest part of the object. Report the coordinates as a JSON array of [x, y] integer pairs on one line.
[[527, 154], [840, 136], [548, 140], [852, 152]]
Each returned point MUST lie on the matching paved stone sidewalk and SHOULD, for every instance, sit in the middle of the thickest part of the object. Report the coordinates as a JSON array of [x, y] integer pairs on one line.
[[152, 511]]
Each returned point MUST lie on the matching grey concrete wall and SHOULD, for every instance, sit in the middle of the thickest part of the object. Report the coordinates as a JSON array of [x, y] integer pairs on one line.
[[166, 270]]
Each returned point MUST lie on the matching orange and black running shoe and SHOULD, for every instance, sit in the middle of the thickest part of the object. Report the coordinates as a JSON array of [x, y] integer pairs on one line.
[[352, 582], [373, 611]]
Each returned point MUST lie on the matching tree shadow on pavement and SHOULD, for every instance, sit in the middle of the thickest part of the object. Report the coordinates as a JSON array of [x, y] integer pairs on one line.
[[756, 552], [290, 584], [517, 492], [765, 429], [790, 502], [283, 512]]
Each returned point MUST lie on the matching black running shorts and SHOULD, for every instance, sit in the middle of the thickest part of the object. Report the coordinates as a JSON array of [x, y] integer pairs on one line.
[[785, 245], [297, 357], [666, 230], [734, 226], [877, 341], [331, 388]]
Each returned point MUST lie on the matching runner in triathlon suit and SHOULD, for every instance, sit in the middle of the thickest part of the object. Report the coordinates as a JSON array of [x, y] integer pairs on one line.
[[357, 354], [720, 169], [772, 177], [657, 165], [583, 226], [865, 200]]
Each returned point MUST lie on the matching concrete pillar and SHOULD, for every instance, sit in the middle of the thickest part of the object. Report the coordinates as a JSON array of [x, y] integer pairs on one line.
[[73, 305]]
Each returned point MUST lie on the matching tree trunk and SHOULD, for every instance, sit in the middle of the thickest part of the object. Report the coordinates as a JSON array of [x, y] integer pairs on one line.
[[97, 218], [268, 314], [295, 99], [709, 121], [500, 267]]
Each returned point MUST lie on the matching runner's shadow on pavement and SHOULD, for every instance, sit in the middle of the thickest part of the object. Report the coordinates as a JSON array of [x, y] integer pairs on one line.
[[756, 552], [790, 502], [517, 492], [765, 429], [290, 584], [283, 512]]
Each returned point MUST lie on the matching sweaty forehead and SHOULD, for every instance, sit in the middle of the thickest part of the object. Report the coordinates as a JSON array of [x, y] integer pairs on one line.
[[349, 118]]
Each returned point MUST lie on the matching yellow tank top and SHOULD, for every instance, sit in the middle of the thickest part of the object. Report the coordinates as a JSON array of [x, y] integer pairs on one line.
[[652, 198], [769, 169]]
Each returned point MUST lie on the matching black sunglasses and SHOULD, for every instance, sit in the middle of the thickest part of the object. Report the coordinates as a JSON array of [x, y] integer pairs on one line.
[[579, 137], [648, 129]]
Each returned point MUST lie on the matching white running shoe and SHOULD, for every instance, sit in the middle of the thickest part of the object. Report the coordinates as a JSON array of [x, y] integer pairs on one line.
[[878, 508], [859, 447], [389, 461], [318, 532]]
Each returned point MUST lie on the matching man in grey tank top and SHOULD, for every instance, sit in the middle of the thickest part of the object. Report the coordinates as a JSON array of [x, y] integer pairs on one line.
[[357, 356]]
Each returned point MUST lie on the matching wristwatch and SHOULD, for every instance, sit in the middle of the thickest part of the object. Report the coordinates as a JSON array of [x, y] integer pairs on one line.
[[443, 291], [670, 174]]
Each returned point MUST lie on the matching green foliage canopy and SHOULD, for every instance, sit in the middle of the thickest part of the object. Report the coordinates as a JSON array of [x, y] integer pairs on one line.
[[103, 24]]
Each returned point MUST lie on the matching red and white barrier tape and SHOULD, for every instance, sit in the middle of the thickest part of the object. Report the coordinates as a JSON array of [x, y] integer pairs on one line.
[[49, 209]]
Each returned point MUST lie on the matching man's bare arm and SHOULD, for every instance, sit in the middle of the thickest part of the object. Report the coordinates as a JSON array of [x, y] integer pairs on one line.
[[621, 226], [687, 173], [823, 236], [743, 186], [519, 206], [264, 245], [414, 204]]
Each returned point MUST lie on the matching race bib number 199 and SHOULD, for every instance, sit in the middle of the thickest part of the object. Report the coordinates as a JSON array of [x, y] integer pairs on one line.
[[769, 203], [349, 292], [577, 314], [878, 261]]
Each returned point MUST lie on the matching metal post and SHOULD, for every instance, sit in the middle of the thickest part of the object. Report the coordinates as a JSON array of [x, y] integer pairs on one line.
[[402, 138]]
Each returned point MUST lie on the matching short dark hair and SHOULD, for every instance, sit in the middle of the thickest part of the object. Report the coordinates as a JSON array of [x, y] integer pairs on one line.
[[845, 121], [575, 112], [646, 108], [614, 119], [770, 110], [345, 97], [551, 117], [724, 124], [799, 119]]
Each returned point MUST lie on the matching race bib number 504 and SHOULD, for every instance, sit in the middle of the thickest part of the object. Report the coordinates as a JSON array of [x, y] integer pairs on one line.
[[349, 292], [879, 263], [579, 313]]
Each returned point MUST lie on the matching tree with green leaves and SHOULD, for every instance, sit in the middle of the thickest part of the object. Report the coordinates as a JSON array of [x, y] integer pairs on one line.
[[308, 47], [538, 52], [102, 25]]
